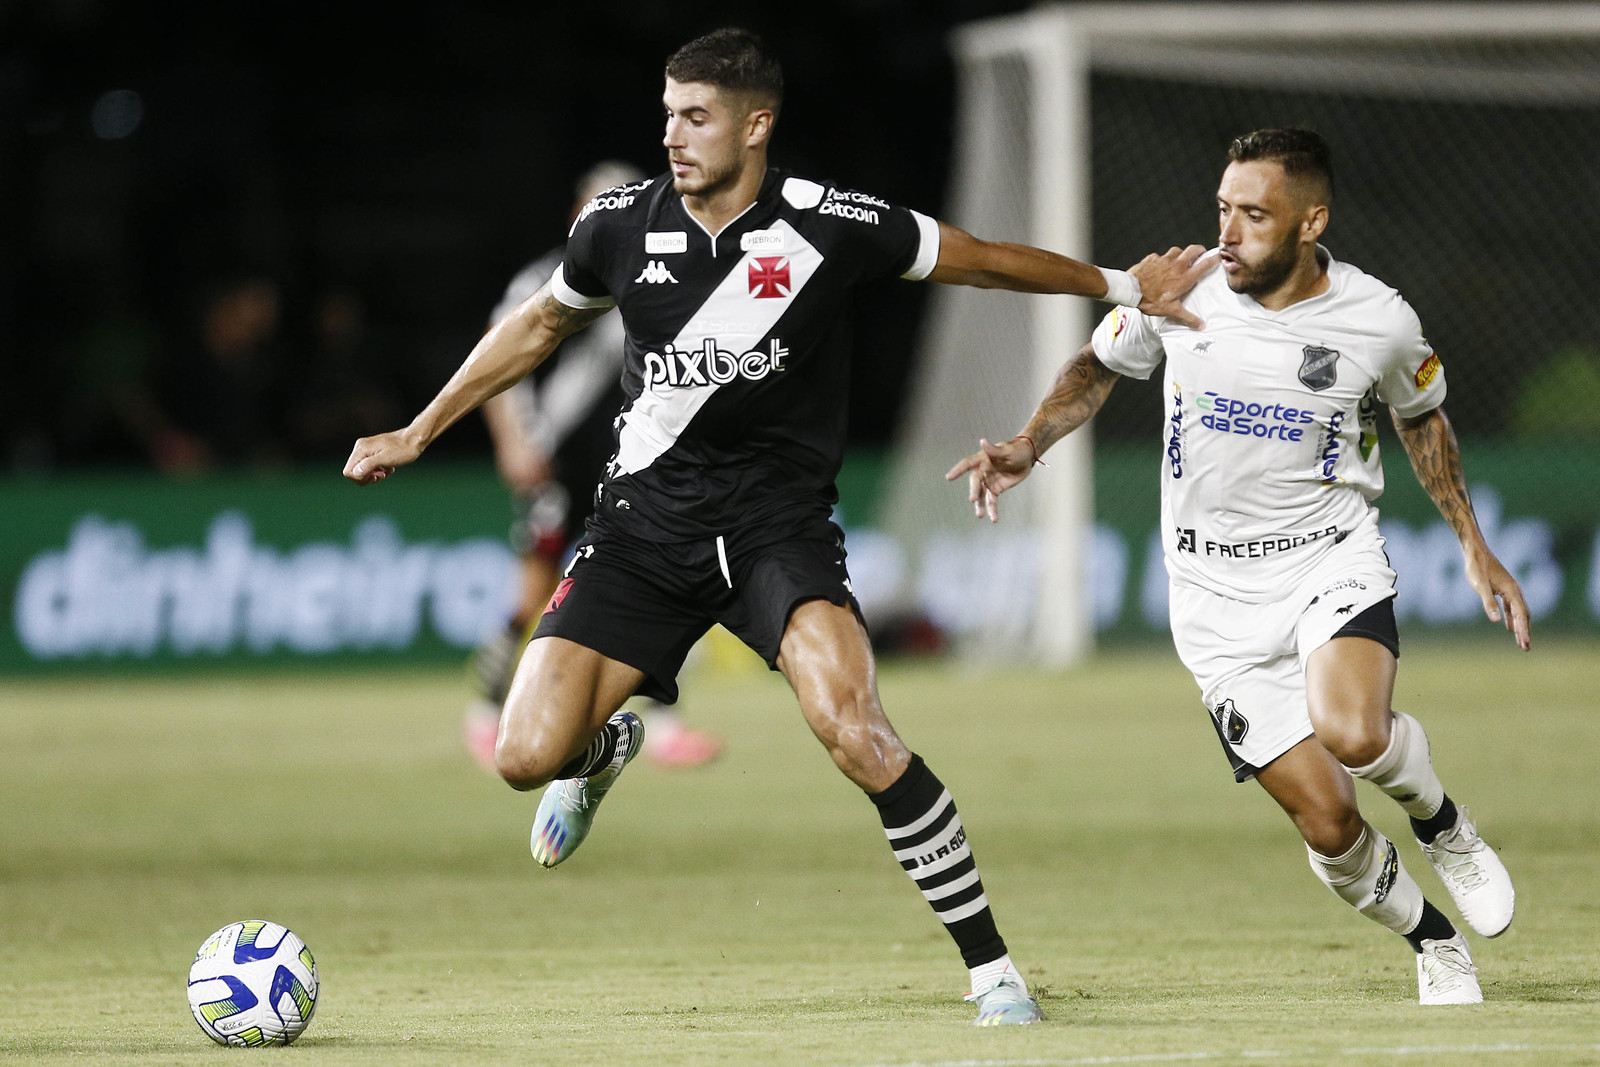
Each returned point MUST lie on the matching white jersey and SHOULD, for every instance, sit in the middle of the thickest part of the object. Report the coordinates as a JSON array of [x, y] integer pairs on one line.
[[1270, 445], [590, 362]]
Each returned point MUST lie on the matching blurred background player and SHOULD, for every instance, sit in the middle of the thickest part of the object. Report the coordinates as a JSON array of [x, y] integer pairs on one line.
[[1282, 599], [552, 435]]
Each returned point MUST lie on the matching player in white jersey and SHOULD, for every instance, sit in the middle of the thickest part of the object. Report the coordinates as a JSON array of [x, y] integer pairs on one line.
[[1281, 594]]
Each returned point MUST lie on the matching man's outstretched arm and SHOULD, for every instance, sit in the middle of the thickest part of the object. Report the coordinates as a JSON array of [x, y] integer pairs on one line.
[[1163, 280], [517, 344], [1431, 444], [1079, 389]]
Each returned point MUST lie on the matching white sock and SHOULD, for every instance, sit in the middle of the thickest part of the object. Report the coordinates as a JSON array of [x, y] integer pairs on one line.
[[1405, 770], [1371, 879], [986, 975]]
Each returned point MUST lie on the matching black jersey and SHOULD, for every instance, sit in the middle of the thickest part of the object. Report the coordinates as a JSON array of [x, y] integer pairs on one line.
[[736, 365]]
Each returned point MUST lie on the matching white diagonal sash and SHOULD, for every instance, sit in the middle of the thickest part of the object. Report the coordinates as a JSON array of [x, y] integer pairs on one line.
[[735, 322]]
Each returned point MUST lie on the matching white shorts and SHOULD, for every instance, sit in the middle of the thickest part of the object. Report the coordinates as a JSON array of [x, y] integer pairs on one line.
[[1249, 660]]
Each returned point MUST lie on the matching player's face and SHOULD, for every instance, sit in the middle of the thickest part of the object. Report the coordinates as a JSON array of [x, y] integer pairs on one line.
[[708, 138], [1260, 227]]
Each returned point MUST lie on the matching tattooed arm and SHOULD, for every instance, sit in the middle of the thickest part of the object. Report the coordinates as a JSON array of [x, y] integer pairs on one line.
[[509, 351], [1079, 388], [1435, 456]]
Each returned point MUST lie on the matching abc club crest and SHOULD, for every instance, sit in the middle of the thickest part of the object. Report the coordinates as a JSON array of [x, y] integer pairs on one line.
[[1319, 367], [1230, 724]]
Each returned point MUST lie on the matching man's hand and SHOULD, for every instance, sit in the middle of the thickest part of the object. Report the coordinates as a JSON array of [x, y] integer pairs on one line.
[[1500, 593], [1165, 280], [375, 458], [991, 471], [523, 467]]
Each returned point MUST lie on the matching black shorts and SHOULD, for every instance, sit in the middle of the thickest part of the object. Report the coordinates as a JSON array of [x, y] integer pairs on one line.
[[1376, 624], [646, 603]]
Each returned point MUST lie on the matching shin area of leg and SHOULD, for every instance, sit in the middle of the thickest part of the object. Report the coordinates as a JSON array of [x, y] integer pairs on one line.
[[1405, 770], [1371, 879]]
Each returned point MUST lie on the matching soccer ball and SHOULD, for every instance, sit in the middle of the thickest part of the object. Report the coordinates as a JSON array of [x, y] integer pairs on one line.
[[253, 983]]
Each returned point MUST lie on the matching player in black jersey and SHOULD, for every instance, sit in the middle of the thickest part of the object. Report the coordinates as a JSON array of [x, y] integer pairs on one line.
[[732, 281]]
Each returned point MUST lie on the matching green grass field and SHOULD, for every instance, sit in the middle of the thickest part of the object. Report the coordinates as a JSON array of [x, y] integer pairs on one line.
[[750, 912]]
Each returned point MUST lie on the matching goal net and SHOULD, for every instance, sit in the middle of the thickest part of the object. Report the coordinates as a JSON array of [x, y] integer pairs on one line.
[[1466, 142]]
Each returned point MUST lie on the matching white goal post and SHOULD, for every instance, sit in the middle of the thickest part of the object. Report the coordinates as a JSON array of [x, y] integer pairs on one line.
[[1022, 171]]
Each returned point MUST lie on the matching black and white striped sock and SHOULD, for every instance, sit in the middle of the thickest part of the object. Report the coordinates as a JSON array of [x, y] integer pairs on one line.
[[927, 837], [596, 756]]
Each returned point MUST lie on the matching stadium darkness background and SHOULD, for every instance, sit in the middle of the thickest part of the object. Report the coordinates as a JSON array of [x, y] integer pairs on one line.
[[375, 173]]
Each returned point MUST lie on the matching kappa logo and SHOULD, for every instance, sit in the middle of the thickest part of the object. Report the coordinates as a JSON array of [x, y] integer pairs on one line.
[[655, 273], [769, 278], [1319, 368]]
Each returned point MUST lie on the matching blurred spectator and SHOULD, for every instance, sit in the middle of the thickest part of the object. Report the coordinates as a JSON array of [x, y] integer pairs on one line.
[[551, 442], [112, 410], [347, 392], [230, 390]]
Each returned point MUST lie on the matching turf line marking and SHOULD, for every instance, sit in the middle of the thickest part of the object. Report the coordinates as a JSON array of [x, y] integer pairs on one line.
[[1245, 1054]]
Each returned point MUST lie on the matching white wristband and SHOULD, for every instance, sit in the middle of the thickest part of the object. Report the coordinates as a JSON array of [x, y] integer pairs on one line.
[[1122, 288]]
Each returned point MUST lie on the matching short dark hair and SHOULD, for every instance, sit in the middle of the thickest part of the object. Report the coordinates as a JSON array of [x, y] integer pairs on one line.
[[1302, 153], [733, 59]]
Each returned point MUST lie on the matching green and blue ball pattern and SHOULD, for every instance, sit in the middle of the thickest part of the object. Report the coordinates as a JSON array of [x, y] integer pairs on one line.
[[253, 983]]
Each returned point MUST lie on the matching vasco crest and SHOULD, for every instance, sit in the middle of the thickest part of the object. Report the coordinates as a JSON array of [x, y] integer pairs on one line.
[[1319, 368]]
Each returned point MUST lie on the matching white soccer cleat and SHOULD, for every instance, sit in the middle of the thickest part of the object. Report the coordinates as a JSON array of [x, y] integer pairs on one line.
[[566, 811], [1477, 880], [1006, 1003], [1445, 974]]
